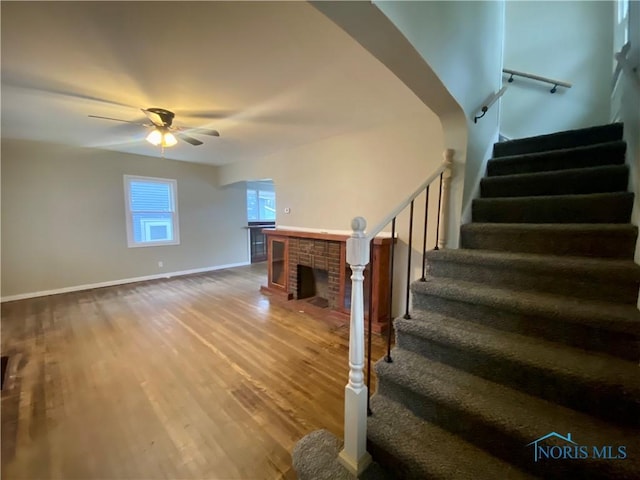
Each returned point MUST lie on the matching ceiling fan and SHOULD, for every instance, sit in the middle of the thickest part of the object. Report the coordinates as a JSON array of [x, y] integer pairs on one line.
[[164, 133]]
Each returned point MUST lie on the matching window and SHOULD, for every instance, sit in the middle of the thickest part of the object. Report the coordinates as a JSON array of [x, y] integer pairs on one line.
[[261, 202], [621, 26], [152, 211]]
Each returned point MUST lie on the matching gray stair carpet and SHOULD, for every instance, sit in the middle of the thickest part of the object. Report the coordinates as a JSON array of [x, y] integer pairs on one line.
[[520, 356], [560, 140], [610, 153]]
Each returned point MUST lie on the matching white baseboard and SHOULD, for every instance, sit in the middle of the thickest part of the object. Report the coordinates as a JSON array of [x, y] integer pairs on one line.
[[122, 281]]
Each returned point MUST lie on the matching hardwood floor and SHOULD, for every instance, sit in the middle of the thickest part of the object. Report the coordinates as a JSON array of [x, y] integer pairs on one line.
[[199, 377]]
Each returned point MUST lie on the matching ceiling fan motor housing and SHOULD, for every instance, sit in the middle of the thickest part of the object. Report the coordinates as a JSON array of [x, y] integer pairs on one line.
[[165, 115]]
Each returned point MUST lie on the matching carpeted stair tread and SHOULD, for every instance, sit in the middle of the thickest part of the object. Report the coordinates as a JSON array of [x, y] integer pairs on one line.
[[442, 455], [596, 326], [622, 318], [613, 207], [615, 240], [611, 280], [560, 140], [595, 383], [610, 269], [498, 418], [572, 364], [575, 181], [611, 153]]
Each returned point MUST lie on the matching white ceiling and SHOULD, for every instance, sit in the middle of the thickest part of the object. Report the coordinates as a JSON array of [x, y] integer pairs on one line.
[[267, 75]]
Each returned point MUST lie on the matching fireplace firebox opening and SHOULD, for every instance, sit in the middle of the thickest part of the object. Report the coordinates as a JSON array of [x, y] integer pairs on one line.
[[313, 284]]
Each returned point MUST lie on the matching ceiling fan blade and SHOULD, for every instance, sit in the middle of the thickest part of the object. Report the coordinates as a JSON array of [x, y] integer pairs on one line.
[[212, 114], [154, 117], [201, 131], [50, 86], [193, 141], [120, 120]]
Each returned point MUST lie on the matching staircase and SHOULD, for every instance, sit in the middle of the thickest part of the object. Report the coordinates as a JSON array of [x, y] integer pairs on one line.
[[530, 328]]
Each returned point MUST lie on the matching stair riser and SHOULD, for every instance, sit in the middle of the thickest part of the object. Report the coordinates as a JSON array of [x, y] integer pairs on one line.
[[561, 160], [597, 399], [581, 209], [619, 344], [601, 134], [389, 461], [507, 445], [546, 282], [602, 245], [552, 162], [560, 183]]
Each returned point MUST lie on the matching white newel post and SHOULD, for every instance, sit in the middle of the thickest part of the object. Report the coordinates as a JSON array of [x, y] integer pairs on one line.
[[354, 455], [444, 205]]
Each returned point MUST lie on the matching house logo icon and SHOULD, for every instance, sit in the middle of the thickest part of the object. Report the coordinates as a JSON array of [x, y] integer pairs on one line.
[[554, 446], [536, 449]]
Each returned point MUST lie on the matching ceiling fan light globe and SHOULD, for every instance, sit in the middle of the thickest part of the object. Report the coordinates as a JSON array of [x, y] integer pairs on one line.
[[155, 137], [169, 140]]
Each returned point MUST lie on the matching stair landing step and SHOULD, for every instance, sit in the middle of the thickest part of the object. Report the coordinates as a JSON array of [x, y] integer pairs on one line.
[[502, 420], [424, 450]]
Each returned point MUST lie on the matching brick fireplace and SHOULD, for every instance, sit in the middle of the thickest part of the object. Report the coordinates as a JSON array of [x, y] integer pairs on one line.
[[295, 256]]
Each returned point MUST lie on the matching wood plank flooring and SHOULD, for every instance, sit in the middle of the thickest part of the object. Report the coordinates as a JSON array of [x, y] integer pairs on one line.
[[199, 377]]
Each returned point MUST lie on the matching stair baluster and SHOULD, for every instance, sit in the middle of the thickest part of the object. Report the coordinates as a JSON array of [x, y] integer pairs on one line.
[[407, 287], [387, 357], [424, 235]]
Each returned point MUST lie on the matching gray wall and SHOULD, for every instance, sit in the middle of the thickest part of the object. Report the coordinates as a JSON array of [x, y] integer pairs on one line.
[[63, 218]]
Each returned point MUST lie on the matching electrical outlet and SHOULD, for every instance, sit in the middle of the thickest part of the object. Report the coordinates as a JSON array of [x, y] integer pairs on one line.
[[160, 264]]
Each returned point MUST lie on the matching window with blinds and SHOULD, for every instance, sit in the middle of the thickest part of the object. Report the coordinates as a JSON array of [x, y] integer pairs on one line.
[[152, 211]]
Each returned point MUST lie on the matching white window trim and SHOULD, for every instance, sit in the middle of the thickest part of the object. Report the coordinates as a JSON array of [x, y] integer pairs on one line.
[[131, 243]]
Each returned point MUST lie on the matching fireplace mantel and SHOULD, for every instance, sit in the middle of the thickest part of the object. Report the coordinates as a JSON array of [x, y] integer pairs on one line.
[[321, 235], [288, 248]]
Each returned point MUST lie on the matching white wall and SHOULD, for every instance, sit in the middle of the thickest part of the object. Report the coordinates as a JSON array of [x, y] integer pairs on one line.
[[564, 40], [375, 32], [63, 218], [462, 43], [328, 183], [629, 114]]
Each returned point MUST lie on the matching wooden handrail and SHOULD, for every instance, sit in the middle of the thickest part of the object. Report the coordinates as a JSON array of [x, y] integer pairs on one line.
[[490, 101], [551, 81], [402, 205], [493, 98]]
